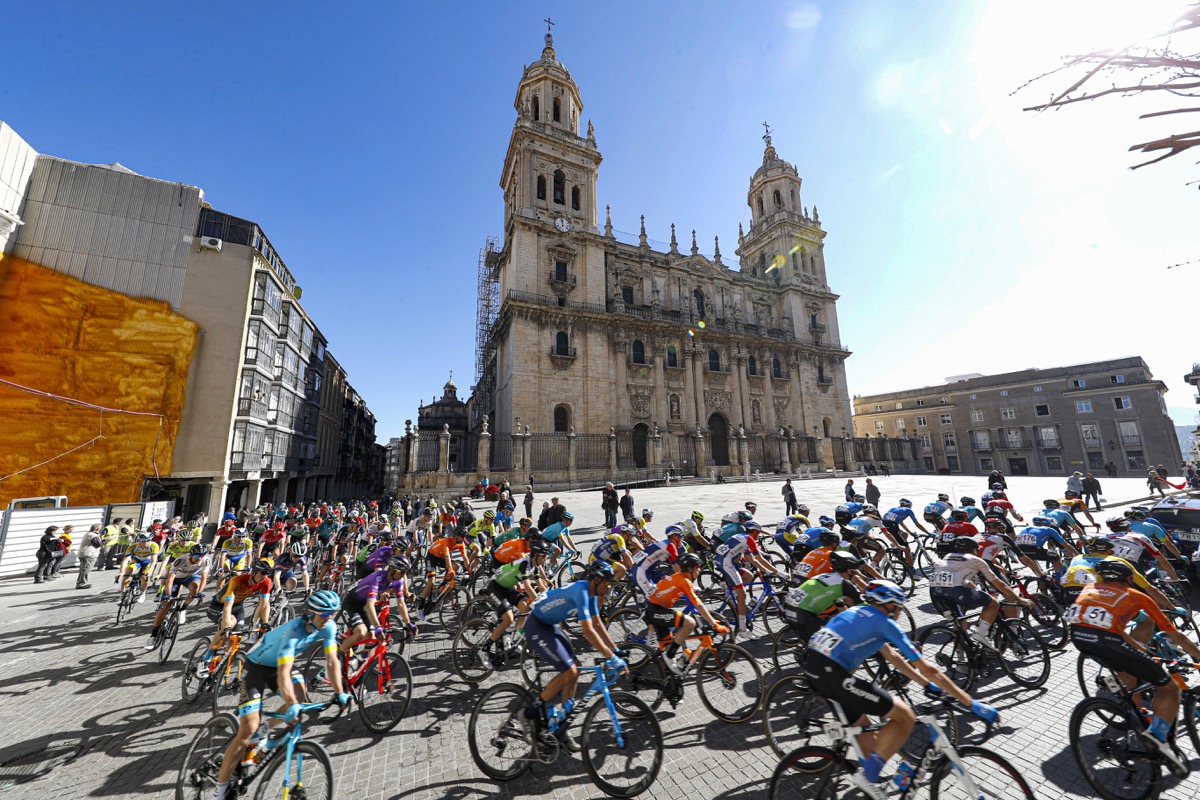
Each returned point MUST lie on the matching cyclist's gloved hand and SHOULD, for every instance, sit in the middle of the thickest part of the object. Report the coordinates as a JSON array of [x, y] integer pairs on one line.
[[616, 663], [933, 690], [378, 633], [985, 712], [720, 629], [343, 699], [292, 712]]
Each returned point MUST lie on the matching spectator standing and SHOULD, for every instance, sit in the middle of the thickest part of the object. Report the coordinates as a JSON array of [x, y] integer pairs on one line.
[[1155, 483], [531, 481], [108, 548], [64, 547], [789, 497], [997, 477], [229, 514], [47, 547], [1075, 483], [483, 482], [609, 505], [871, 492], [529, 500], [1162, 471], [1111, 469], [887, 469], [626, 505], [88, 552], [543, 518], [1091, 490], [555, 513], [850, 490]]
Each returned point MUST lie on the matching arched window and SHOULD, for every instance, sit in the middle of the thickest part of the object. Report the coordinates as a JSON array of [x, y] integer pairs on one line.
[[575, 197], [796, 262], [714, 360], [672, 356], [778, 199], [562, 419], [776, 368], [639, 352], [820, 373], [557, 110], [560, 187], [698, 296], [537, 109], [562, 345], [760, 206], [827, 426], [541, 187], [752, 365]]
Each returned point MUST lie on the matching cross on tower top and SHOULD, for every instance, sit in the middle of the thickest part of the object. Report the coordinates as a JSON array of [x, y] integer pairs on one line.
[[548, 22], [549, 35], [767, 135]]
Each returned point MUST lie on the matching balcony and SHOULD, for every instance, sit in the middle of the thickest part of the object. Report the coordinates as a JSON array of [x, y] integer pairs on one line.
[[818, 328], [710, 367], [562, 356], [950, 448], [644, 361], [1016, 443], [1131, 440], [562, 280], [824, 380], [983, 447], [785, 376], [1049, 443], [1096, 443], [249, 407]]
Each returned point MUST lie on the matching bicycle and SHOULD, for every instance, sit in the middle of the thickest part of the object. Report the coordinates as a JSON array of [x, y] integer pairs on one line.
[[447, 599], [570, 570], [128, 597], [1021, 652], [826, 773], [170, 626], [473, 665], [728, 679], [765, 601], [381, 683], [306, 765], [621, 738], [1046, 612], [225, 668]]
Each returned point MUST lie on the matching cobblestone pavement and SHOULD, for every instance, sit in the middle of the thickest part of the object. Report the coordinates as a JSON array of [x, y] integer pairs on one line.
[[84, 712]]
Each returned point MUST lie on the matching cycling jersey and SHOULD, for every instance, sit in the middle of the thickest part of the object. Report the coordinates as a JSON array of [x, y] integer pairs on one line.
[[482, 528], [1072, 506], [609, 548], [573, 600], [1064, 518], [730, 530], [507, 536], [374, 584], [444, 546], [951, 531], [899, 515], [1038, 536], [859, 633], [973, 513], [814, 564], [735, 547], [818, 595], [668, 591], [861, 526], [551, 532], [177, 549], [380, 557], [1082, 571], [508, 576], [1003, 506], [236, 548], [511, 550], [791, 524], [959, 569], [280, 646], [1151, 530], [185, 567], [144, 551], [1111, 607], [937, 508], [1135, 547], [243, 587], [991, 545], [654, 554]]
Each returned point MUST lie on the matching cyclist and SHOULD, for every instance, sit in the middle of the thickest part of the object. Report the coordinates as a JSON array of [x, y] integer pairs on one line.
[[789, 532], [189, 570], [729, 564], [547, 641], [808, 606], [516, 585], [837, 650], [485, 528], [1033, 538], [858, 533], [270, 540], [662, 618], [360, 608], [291, 561], [1098, 620], [611, 548], [1081, 572], [642, 524], [371, 554], [438, 558], [140, 561], [1141, 522], [559, 530], [816, 561], [1136, 548], [894, 519], [269, 666], [1000, 502], [967, 504], [956, 527], [849, 510], [693, 532], [421, 527], [646, 571], [954, 587], [1072, 502], [504, 519], [179, 546], [235, 551], [228, 607], [995, 542], [935, 512], [524, 525], [733, 524]]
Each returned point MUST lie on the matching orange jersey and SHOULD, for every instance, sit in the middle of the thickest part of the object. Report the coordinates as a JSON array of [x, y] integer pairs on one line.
[[512, 550], [442, 547], [1111, 607], [668, 591], [814, 564]]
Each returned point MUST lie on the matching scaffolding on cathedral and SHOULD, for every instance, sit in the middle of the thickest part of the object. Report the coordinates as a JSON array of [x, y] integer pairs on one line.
[[488, 304]]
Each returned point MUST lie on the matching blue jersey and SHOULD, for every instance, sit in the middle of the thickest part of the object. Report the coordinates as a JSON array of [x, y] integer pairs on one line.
[[551, 532], [858, 633], [973, 514], [811, 537], [789, 524], [1062, 516], [937, 508], [849, 508], [572, 600], [860, 526], [281, 644], [1151, 530], [729, 530], [1037, 536], [899, 514]]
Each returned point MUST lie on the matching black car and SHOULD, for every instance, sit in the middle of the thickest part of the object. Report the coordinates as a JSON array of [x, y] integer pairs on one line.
[[1181, 517]]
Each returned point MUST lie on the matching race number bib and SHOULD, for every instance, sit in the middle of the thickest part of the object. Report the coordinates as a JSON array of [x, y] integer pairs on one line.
[[639, 557], [942, 579], [1127, 550], [949, 537], [723, 550], [1027, 538], [1082, 577], [824, 641], [802, 569], [1096, 616], [796, 596]]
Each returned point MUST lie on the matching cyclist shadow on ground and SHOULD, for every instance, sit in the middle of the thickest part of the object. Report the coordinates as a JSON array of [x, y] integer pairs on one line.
[[96, 673], [56, 638], [1062, 770]]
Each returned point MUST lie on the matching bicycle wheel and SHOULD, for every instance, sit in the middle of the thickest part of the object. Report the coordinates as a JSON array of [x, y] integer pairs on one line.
[[166, 636], [198, 773], [125, 603], [710, 585], [317, 686], [529, 665], [771, 614], [308, 765], [496, 733], [813, 773], [629, 625], [730, 683], [1191, 720], [383, 693], [622, 755], [227, 683], [907, 622], [1048, 620], [788, 650], [647, 672], [569, 572], [1023, 654], [1111, 753], [1088, 671], [942, 645], [990, 773], [467, 657], [793, 715], [193, 684], [922, 564], [896, 570]]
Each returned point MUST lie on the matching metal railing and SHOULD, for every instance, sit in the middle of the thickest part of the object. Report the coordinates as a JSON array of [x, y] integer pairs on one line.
[[1134, 439], [564, 278], [559, 352]]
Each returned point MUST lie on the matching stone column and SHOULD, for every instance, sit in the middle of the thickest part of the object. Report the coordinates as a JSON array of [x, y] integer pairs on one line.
[[612, 453], [216, 499], [526, 450], [660, 380], [571, 454], [254, 496], [483, 454], [795, 391], [739, 391], [444, 449], [700, 458], [697, 388], [743, 449], [655, 446], [785, 455]]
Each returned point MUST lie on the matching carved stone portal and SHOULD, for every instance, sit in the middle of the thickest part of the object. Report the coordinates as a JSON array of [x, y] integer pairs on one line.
[[718, 400]]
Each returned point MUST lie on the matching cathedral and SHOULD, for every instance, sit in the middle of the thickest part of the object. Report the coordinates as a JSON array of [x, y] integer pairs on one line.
[[604, 358]]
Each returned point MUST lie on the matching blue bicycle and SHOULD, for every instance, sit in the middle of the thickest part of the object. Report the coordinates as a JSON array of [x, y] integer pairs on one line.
[[621, 741], [306, 766]]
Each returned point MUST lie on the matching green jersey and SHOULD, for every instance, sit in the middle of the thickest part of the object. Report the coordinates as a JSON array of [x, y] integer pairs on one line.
[[511, 533], [510, 575], [817, 595]]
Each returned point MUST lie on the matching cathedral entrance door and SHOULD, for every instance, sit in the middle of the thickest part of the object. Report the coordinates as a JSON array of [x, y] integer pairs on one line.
[[641, 433], [719, 430]]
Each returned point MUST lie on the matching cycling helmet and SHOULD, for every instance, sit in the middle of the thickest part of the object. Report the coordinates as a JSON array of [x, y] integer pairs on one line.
[[601, 570], [647, 513], [858, 498], [1117, 524], [1070, 494], [427, 512], [751, 525], [802, 509], [144, 536], [743, 517], [539, 547], [1044, 522], [882, 591], [1112, 569], [623, 530], [696, 515], [958, 515], [840, 561], [826, 522], [905, 502], [508, 506], [238, 533], [751, 506], [568, 516], [999, 495], [299, 549], [524, 521], [870, 508], [964, 544], [966, 501], [996, 486], [674, 530], [944, 498], [489, 514], [830, 539], [400, 564], [1142, 509], [1099, 544], [198, 550], [533, 534], [1135, 513], [688, 561], [995, 522], [324, 602], [262, 565], [1051, 504]]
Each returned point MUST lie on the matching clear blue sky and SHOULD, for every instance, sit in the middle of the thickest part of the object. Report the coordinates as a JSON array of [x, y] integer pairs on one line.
[[964, 234]]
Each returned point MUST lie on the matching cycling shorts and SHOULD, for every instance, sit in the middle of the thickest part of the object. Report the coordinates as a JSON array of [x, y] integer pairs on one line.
[[508, 597], [647, 578], [549, 643], [1037, 553], [182, 582], [895, 530], [855, 695], [237, 609], [256, 679], [286, 575], [434, 563], [139, 564], [663, 620], [936, 520], [731, 571], [958, 599], [238, 561], [354, 611], [802, 622], [1111, 650]]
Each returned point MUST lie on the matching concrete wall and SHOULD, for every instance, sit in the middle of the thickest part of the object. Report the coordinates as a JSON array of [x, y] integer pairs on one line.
[[17, 159]]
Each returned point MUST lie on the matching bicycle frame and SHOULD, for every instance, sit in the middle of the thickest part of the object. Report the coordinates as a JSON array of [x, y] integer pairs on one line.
[[290, 740], [730, 600], [601, 684]]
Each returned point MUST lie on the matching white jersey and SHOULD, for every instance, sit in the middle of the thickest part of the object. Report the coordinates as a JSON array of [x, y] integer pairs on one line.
[[185, 567], [959, 569]]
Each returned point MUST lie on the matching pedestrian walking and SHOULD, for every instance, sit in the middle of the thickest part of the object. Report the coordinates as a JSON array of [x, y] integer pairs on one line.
[[872, 492], [529, 499], [47, 547], [89, 550], [1154, 482], [850, 490], [609, 503], [789, 497], [1111, 469], [1091, 490]]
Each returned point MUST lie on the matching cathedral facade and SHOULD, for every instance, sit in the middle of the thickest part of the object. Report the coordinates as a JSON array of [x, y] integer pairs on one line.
[[686, 359]]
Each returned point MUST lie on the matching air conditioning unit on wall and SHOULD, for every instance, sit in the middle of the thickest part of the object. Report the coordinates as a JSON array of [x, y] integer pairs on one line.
[[210, 243]]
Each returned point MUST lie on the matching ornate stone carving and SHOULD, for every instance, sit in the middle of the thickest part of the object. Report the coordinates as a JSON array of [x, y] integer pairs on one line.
[[781, 405], [640, 400], [718, 399], [756, 413], [673, 402]]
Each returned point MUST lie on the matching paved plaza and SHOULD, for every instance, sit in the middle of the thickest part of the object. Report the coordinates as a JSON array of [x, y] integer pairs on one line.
[[85, 712]]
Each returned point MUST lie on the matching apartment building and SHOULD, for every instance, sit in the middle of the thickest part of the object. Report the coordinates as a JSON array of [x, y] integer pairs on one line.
[[1034, 422]]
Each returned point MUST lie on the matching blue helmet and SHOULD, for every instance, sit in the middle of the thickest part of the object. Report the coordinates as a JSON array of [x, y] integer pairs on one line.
[[326, 602], [602, 570], [1044, 522], [882, 591]]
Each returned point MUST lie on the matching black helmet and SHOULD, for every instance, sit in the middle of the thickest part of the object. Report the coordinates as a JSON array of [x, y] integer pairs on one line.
[[262, 565], [1136, 513], [1114, 569], [994, 522], [1117, 524], [841, 561], [958, 515], [965, 544], [1099, 544], [858, 498], [539, 547], [198, 550], [945, 498], [966, 501], [1051, 504], [601, 570], [830, 539], [688, 561], [400, 563]]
